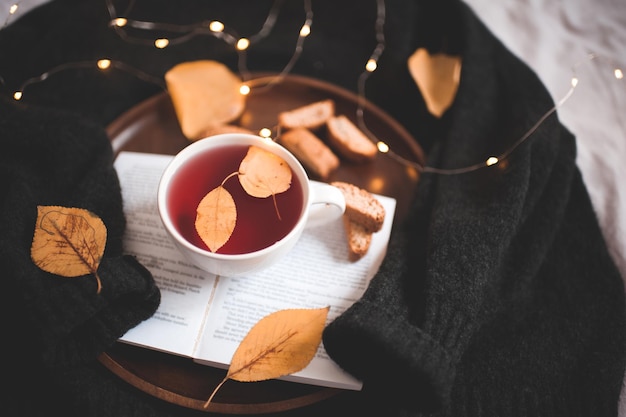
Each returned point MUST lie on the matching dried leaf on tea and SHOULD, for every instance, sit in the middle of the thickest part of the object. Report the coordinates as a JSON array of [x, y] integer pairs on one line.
[[437, 76], [262, 173], [68, 242], [280, 344], [216, 216]]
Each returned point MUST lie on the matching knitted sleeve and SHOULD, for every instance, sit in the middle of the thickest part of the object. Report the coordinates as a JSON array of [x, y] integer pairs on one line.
[[53, 158], [465, 281]]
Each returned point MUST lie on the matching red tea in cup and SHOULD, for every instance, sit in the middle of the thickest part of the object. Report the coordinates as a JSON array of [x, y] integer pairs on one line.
[[260, 237], [258, 223]]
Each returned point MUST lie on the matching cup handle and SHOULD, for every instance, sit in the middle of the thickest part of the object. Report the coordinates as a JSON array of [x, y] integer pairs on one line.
[[327, 204]]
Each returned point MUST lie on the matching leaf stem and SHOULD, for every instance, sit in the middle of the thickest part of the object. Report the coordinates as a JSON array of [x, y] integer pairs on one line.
[[229, 176], [98, 281], [206, 404], [276, 206]]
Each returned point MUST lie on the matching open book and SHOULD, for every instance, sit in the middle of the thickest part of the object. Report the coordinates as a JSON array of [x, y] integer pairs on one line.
[[203, 316]]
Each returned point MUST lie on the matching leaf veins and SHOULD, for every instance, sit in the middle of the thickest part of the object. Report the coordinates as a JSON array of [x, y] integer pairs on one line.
[[68, 242], [279, 344], [261, 174], [216, 217]]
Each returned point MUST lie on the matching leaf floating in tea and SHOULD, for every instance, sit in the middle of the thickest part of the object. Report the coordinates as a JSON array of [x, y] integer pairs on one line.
[[216, 217], [68, 242], [262, 173], [281, 343]]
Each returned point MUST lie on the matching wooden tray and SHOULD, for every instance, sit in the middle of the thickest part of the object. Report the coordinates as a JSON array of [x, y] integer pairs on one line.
[[152, 126]]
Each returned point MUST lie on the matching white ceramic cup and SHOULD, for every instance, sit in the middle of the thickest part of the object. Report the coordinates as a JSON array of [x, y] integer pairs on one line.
[[321, 204]]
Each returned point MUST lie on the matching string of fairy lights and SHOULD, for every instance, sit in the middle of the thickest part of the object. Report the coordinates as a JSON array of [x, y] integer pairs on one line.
[[241, 44]]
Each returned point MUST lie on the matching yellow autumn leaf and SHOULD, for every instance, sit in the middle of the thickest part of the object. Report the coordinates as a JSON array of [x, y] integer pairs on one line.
[[205, 94], [437, 76], [262, 173], [68, 242], [216, 216], [281, 343]]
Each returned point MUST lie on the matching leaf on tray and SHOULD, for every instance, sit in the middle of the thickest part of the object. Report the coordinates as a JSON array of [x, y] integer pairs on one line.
[[281, 343], [216, 217], [68, 242], [205, 94]]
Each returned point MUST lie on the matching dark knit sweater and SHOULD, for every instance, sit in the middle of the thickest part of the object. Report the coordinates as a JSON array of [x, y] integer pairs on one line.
[[497, 297]]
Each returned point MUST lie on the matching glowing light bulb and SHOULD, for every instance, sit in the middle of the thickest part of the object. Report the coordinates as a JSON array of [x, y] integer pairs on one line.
[[161, 43], [120, 22], [265, 132], [216, 26], [243, 44], [371, 65], [13, 9], [618, 73], [17, 95], [244, 89], [574, 81], [492, 160], [376, 184], [305, 31], [104, 63], [382, 147]]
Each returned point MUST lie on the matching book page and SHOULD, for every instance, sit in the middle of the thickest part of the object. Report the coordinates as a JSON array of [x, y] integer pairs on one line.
[[185, 289], [316, 273]]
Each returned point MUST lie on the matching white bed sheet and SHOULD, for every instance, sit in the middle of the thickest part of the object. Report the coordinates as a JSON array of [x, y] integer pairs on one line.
[[555, 38]]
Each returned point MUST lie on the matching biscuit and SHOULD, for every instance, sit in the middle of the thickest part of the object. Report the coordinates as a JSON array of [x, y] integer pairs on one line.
[[310, 150], [226, 128], [311, 116], [362, 207], [348, 140], [359, 239]]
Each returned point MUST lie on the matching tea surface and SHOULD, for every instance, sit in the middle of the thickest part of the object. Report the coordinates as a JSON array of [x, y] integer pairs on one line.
[[258, 225]]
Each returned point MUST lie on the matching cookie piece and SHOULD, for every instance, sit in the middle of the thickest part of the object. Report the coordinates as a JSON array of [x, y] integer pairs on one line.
[[362, 207], [205, 94], [348, 140], [310, 150], [311, 116], [219, 129], [359, 239]]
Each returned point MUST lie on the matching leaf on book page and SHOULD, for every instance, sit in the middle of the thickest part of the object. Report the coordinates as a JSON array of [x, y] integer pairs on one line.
[[262, 173], [437, 76], [280, 344], [68, 242], [216, 216]]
